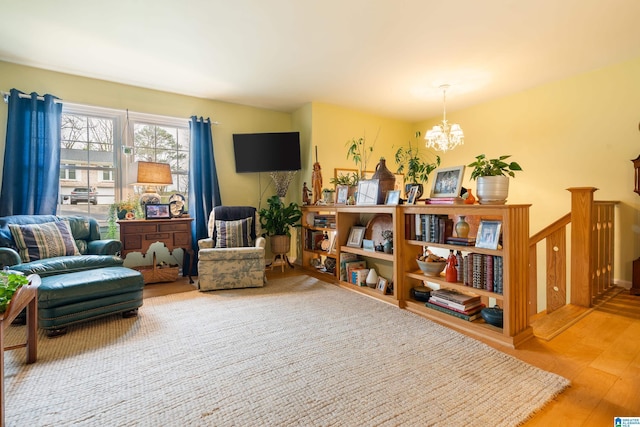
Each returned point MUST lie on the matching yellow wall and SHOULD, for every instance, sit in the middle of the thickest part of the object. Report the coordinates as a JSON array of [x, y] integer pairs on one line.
[[578, 132], [581, 131], [236, 189]]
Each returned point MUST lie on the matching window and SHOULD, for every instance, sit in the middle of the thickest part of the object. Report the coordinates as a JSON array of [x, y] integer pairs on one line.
[[93, 156]]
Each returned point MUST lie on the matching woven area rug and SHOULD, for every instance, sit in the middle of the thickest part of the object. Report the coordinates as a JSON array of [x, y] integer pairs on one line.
[[298, 352]]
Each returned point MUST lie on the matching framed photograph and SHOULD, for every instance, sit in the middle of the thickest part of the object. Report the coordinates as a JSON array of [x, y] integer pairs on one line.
[[368, 245], [342, 193], [488, 234], [356, 236], [367, 192], [383, 285], [411, 197], [393, 197], [160, 211], [447, 182]]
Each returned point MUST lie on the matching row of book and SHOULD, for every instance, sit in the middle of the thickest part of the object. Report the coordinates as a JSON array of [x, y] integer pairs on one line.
[[431, 228], [314, 240], [462, 305], [481, 271], [324, 221]]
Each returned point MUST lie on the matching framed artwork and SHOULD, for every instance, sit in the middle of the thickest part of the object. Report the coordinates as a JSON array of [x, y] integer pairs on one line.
[[383, 285], [393, 197], [411, 197], [447, 182], [488, 234], [342, 193], [160, 211], [356, 236], [368, 245], [367, 192]]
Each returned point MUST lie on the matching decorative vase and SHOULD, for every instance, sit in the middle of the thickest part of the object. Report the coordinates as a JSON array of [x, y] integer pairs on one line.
[[388, 247], [386, 180], [493, 190], [462, 227], [470, 198], [372, 278], [122, 213]]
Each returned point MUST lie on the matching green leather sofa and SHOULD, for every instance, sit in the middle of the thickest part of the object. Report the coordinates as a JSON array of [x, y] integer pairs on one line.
[[78, 287]]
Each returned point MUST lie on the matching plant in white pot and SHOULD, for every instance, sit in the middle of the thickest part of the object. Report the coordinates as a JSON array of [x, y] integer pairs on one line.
[[492, 176]]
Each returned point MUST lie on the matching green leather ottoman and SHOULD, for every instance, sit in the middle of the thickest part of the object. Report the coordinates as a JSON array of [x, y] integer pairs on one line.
[[70, 298]]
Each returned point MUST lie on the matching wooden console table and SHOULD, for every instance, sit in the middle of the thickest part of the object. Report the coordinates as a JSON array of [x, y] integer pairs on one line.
[[25, 297], [138, 235]]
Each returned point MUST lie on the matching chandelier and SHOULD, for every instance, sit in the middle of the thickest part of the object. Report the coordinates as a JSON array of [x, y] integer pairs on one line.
[[444, 136]]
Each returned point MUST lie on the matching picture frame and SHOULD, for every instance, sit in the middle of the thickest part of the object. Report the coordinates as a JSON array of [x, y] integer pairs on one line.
[[356, 236], [159, 211], [447, 182], [393, 197], [368, 245], [367, 192], [383, 285], [488, 234], [411, 197], [342, 194]]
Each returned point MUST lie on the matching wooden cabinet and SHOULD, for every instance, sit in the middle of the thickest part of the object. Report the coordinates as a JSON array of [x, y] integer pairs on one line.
[[318, 221], [138, 235], [513, 255]]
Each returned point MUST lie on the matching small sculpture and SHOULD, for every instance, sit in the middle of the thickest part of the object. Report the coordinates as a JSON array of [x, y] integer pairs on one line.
[[316, 181], [306, 193]]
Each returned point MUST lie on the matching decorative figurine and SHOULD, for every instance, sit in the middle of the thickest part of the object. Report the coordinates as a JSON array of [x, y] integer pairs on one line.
[[305, 194]]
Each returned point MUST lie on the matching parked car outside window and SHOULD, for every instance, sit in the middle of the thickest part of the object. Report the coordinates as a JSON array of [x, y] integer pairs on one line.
[[84, 194]]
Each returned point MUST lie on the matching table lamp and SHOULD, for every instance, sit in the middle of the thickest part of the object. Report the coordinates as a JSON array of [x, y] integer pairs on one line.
[[150, 175]]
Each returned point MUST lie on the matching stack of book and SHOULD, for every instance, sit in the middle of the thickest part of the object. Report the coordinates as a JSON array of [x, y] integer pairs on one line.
[[429, 228], [458, 304]]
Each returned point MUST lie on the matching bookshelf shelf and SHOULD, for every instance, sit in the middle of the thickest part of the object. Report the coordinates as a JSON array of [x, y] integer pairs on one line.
[[514, 273]]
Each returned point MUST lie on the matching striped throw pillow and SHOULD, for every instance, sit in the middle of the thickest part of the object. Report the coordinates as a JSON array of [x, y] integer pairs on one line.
[[234, 234], [46, 240]]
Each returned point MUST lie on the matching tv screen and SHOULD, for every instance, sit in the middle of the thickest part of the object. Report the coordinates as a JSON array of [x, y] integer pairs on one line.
[[267, 152]]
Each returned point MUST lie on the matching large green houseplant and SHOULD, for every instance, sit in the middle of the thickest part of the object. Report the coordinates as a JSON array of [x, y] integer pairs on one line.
[[276, 221], [492, 176], [414, 165]]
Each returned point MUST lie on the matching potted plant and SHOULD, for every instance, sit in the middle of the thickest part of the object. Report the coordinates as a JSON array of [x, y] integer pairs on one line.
[[493, 178], [387, 246], [416, 166], [9, 285], [359, 152], [122, 210], [276, 222]]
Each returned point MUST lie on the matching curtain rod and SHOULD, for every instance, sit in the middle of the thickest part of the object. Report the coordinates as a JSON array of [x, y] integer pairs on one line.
[[6, 95]]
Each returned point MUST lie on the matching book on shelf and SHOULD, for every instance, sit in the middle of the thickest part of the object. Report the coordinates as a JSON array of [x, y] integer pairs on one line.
[[456, 296], [444, 201], [454, 305], [352, 265], [358, 277], [469, 312], [346, 257], [453, 313], [482, 271], [462, 241]]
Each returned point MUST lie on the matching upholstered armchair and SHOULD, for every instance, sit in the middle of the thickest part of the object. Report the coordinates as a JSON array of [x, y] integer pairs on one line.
[[233, 255]]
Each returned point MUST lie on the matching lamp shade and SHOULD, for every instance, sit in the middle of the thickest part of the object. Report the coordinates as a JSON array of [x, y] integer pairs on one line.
[[151, 173]]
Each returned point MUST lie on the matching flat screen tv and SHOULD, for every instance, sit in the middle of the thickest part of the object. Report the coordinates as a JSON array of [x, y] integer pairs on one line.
[[267, 152]]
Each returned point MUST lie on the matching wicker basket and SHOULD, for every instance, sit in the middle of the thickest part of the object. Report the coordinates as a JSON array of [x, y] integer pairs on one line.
[[155, 274]]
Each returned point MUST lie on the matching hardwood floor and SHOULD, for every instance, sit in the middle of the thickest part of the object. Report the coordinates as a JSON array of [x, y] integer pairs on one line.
[[600, 354]]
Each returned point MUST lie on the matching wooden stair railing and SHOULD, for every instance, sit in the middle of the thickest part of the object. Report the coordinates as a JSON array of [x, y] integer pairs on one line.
[[592, 252]]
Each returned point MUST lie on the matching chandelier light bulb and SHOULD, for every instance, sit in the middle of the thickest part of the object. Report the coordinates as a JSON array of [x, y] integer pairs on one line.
[[444, 137]]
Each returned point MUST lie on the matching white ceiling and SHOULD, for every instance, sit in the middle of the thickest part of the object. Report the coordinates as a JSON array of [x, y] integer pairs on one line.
[[383, 56]]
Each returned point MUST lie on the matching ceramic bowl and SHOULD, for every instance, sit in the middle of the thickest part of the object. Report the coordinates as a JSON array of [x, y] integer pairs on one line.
[[431, 268]]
